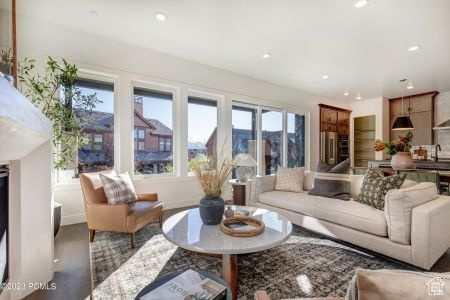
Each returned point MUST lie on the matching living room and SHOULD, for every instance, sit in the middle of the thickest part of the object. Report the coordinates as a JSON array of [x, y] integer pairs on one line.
[[134, 133]]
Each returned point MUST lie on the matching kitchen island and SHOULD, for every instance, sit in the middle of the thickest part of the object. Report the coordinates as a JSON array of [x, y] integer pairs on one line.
[[430, 165]]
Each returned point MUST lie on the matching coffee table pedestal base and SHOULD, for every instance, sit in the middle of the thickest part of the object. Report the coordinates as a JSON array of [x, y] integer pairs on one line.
[[229, 271]]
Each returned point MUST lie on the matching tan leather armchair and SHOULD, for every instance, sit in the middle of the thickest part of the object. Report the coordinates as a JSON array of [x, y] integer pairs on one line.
[[125, 218]]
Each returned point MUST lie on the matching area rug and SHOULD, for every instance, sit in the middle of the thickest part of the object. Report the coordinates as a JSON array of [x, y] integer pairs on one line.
[[306, 265]]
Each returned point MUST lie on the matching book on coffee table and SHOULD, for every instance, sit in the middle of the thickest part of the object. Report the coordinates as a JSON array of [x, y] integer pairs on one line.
[[189, 285]]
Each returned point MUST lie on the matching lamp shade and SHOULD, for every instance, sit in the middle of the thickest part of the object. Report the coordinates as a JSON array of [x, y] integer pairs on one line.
[[402, 123], [245, 160]]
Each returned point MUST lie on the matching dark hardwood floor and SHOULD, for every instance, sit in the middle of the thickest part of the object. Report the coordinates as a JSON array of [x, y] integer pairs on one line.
[[73, 272]]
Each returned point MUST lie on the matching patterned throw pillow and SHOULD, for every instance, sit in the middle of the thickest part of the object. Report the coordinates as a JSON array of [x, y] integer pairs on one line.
[[290, 179], [332, 181], [375, 187], [118, 188]]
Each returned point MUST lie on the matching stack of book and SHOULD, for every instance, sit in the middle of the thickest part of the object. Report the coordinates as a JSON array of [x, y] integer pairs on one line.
[[189, 285]]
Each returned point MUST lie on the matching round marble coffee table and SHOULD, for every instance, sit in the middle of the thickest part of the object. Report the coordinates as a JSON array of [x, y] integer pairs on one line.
[[187, 231]]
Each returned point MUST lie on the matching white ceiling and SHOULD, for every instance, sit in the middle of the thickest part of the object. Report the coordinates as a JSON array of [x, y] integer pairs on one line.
[[361, 50]]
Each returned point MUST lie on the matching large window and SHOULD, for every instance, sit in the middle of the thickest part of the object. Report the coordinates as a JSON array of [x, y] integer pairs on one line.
[[244, 132], [98, 126], [296, 140], [202, 127], [272, 140], [152, 132]]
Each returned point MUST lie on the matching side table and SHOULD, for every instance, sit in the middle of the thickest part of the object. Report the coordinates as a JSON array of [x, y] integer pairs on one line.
[[239, 188]]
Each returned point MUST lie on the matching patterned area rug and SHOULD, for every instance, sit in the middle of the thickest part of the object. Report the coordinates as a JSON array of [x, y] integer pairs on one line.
[[307, 265]]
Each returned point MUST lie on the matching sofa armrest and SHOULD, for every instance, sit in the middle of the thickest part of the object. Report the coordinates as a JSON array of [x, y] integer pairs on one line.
[[430, 237], [261, 184]]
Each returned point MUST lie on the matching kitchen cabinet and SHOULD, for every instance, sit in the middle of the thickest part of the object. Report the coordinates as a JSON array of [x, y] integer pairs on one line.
[[337, 120], [421, 111]]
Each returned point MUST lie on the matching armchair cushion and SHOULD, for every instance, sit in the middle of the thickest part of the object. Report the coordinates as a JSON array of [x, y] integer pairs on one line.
[[143, 211], [119, 188]]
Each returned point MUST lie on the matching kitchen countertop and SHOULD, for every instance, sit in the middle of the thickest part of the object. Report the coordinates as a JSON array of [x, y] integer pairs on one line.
[[443, 165]]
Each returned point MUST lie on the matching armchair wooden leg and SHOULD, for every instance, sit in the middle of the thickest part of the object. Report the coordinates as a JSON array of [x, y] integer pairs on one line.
[[91, 235], [133, 237], [161, 220]]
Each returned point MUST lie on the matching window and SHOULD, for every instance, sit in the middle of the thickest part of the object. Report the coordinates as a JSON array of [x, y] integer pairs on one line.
[[153, 125], [244, 132], [98, 125], [272, 140], [296, 140], [202, 127], [162, 145], [168, 144], [98, 142]]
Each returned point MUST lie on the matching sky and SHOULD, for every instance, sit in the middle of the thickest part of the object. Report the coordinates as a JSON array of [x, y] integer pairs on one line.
[[201, 119]]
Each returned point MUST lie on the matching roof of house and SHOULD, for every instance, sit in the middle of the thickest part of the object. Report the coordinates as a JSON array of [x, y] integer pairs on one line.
[[104, 121], [151, 157]]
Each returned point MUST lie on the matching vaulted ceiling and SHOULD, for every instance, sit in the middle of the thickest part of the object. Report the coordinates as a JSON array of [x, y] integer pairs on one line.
[[362, 50]]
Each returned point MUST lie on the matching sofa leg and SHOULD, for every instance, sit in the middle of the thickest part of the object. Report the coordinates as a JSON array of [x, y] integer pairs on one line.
[[133, 237], [161, 220], [91, 235]]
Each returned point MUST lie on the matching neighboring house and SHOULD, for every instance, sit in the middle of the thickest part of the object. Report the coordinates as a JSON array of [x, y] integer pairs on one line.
[[152, 142]]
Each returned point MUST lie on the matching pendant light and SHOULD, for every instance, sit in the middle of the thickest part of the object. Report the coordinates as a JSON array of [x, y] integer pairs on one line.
[[403, 122]]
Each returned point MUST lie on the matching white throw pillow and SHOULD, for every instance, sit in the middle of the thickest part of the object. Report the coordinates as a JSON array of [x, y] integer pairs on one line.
[[290, 179], [118, 188], [398, 207]]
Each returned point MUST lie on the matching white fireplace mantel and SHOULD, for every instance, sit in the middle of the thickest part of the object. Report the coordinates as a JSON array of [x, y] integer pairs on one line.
[[23, 128]]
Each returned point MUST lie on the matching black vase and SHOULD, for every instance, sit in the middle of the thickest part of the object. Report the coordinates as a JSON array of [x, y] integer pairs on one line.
[[211, 210]]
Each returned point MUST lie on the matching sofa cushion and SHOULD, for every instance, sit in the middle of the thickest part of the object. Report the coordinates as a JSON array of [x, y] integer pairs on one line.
[[347, 213], [332, 181], [290, 179], [399, 204], [375, 187]]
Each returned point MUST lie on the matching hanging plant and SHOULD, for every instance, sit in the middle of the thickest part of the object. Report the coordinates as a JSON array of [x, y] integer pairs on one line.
[[55, 94]]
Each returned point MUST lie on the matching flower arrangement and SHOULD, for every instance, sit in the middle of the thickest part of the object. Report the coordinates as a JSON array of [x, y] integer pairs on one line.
[[212, 172], [403, 144]]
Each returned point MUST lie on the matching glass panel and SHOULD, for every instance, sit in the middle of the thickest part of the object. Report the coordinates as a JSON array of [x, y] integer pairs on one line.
[[272, 140], [244, 133], [161, 145], [98, 124], [153, 117], [296, 140], [202, 124], [168, 144]]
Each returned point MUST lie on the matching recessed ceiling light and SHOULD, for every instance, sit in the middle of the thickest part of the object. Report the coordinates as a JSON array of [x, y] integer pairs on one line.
[[358, 97], [413, 48], [346, 93], [360, 3], [266, 55], [160, 16], [324, 76], [410, 86]]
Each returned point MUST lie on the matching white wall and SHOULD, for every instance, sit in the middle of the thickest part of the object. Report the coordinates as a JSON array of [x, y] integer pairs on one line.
[[126, 63], [378, 107]]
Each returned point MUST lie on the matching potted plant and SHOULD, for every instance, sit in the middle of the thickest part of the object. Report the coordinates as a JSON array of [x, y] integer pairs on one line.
[[399, 150], [6, 62], [56, 95], [212, 172]]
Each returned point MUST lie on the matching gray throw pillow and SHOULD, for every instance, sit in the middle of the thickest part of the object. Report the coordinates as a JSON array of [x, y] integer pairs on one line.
[[375, 187], [332, 181]]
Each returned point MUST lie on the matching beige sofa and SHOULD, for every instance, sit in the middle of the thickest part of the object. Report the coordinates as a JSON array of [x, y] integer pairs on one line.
[[357, 223]]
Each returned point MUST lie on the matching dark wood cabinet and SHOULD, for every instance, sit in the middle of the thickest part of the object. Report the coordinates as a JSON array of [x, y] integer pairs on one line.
[[336, 119], [421, 111]]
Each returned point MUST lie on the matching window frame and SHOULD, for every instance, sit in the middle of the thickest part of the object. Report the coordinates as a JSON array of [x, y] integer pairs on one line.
[[163, 88], [207, 97], [109, 78]]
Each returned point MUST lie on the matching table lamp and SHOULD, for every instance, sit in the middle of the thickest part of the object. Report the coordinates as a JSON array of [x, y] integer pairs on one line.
[[244, 166]]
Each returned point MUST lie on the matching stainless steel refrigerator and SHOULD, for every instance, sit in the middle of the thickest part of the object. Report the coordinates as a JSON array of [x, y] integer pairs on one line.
[[328, 147]]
